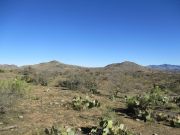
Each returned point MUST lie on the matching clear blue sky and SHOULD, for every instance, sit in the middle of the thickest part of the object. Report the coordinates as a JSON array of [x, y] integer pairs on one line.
[[90, 32]]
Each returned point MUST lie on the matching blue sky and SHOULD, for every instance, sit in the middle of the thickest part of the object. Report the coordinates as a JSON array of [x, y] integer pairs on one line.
[[90, 32]]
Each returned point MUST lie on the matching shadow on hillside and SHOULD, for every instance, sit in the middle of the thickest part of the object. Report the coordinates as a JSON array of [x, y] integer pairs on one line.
[[124, 112]]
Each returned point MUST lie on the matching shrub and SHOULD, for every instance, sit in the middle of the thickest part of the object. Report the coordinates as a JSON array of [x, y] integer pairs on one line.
[[31, 76], [41, 79], [59, 131], [72, 82], [2, 71], [175, 122], [177, 100], [91, 86], [11, 91], [79, 103]]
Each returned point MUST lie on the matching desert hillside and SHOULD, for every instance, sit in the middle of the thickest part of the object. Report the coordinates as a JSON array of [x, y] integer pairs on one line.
[[53, 98]]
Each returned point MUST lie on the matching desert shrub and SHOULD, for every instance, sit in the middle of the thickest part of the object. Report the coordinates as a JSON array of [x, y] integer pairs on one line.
[[59, 131], [79, 103], [41, 79], [28, 75], [91, 86], [2, 71], [161, 116], [177, 100], [108, 127], [11, 91], [31, 76], [35, 79], [175, 122], [70, 84]]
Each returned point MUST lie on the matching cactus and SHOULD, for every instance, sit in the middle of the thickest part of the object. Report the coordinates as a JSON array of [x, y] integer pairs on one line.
[[79, 103], [107, 127], [139, 106], [59, 131]]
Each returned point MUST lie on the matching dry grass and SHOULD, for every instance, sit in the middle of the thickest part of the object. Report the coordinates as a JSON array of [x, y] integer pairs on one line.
[[51, 107]]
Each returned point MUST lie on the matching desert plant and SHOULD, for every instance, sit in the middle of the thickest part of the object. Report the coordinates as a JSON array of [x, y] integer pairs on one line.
[[161, 116], [71, 82], [175, 122], [158, 97], [91, 86], [41, 79], [108, 127], [177, 100], [59, 131], [144, 106], [2, 71], [80, 103], [11, 91], [139, 106]]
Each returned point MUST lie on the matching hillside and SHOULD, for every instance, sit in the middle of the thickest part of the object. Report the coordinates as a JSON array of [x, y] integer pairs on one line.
[[8, 67], [126, 66], [36, 97]]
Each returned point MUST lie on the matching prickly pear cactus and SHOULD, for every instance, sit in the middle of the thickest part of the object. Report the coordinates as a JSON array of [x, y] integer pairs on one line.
[[60, 131], [108, 127], [80, 103]]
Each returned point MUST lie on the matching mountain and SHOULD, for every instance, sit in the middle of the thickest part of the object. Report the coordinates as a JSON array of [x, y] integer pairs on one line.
[[52, 66], [56, 66], [166, 67], [8, 67], [126, 66]]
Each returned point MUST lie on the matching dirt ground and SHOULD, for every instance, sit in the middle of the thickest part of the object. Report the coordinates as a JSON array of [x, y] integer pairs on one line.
[[46, 106]]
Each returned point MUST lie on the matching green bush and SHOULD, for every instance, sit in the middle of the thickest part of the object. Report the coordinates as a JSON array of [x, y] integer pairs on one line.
[[2, 71], [80, 103], [11, 91]]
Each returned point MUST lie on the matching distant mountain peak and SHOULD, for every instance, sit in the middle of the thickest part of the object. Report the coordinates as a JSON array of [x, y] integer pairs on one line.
[[8, 67], [166, 67], [126, 66], [54, 61]]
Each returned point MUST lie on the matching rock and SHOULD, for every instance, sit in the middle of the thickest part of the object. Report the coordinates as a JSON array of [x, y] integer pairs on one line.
[[56, 103], [48, 90], [1, 123], [62, 101], [138, 120], [20, 117]]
